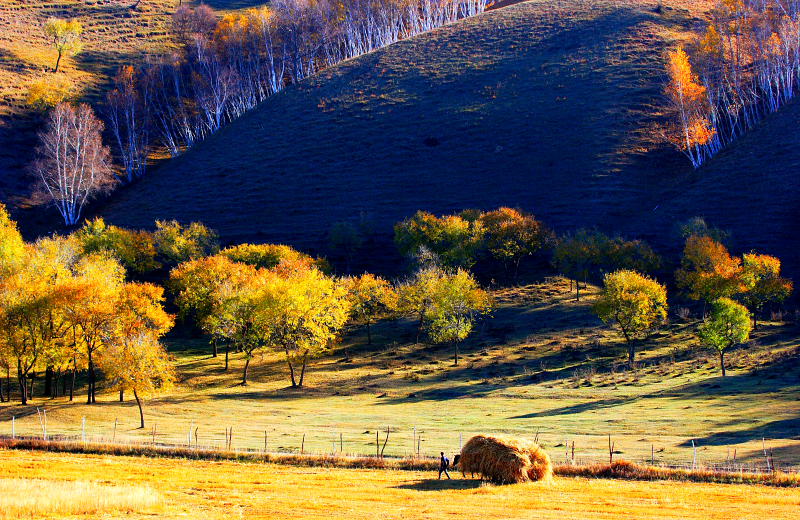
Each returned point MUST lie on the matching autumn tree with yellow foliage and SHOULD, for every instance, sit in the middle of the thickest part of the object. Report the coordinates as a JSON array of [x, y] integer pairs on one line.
[[633, 302], [371, 297], [761, 277]]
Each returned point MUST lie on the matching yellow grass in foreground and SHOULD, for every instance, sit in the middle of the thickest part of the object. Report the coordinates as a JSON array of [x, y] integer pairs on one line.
[[39, 498], [225, 490]]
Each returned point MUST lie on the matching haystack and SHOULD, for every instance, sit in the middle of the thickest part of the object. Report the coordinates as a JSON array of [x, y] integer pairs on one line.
[[505, 461]]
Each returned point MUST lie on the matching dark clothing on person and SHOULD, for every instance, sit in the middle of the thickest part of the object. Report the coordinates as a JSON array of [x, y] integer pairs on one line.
[[444, 463]]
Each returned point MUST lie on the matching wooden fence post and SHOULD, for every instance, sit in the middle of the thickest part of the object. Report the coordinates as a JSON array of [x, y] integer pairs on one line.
[[303, 444], [694, 455], [83, 430], [114, 436]]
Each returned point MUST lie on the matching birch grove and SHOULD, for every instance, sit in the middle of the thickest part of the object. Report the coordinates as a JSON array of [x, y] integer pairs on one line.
[[73, 165], [228, 65], [745, 66]]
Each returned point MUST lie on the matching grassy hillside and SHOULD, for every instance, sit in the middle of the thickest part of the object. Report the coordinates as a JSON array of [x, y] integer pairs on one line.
[[543, 364], [223, 490], [113, 34], [547, 105]]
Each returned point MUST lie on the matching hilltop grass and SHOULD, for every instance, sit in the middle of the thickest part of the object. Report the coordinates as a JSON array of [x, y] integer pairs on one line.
[[543, 364], [223, 490]]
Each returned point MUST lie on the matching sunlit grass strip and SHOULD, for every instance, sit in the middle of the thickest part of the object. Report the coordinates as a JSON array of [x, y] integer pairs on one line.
[[38, 498], [630, 471], [618, 470]]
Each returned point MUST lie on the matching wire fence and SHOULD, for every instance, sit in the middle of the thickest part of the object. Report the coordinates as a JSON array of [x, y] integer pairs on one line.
[[230, 442]]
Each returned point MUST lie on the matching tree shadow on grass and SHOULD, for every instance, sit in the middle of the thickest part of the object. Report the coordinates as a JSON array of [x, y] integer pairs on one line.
[[782, 429], [441, 485]]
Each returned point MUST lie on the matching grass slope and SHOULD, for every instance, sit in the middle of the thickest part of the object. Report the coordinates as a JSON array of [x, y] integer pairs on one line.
[[223, 490], [548, 105], [544, 363], [114, 34]]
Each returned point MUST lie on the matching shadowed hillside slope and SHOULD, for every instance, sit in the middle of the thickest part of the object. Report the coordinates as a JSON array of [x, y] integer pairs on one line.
[[550, 106]]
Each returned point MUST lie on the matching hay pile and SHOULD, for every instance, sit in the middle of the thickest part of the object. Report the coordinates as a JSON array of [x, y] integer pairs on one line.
[[505, 461]]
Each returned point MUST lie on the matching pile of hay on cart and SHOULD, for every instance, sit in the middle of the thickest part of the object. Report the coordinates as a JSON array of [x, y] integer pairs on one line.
[[504, 460]]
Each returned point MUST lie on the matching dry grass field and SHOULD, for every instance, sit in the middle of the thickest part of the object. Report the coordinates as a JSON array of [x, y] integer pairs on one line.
[[226, 490], [543, 364]]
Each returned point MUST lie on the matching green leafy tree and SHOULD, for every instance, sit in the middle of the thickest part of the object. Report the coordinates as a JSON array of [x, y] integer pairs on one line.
[[454, 239], [635, 303], [268, 256], [65, 36], [727, 325]]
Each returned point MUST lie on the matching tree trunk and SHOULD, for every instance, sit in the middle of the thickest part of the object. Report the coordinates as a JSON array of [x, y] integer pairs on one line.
[[291, 368], [227, 351], [48, 381], [90, 391], [214, 348], [141, 413], [2, 394], [244, 374], [72, 382], [122, 396], [8, 381], [23, 386], [722, 361], [58, 61], [577, 290], [631, 353], [369, 334], [303, 368], [455, 344]]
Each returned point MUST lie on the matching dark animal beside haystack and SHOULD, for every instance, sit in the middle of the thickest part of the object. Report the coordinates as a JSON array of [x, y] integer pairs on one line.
[[504, 461]]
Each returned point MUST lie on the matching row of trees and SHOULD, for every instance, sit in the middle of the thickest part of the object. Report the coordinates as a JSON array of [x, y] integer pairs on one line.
[[737, 289], [746, 65], [65, 310], [637, 305], [506, 236], [295, 309]]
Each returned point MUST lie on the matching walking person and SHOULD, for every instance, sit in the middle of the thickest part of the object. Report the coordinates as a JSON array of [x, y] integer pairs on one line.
[[444, 463]]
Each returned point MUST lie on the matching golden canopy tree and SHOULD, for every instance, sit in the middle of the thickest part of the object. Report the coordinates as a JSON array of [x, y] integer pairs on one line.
[[456, 301], [133, 358], [92, 310], [708, 271], [177, 243], [761, 277], [370, 297], [201, 286], [690, 103], [32, 297], [636, 303], [415, 295], [135, 250], [65, 36], [510, 235], [728, 325], [299, 311]]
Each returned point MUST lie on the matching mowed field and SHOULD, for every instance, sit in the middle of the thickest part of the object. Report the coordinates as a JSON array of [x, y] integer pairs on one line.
[[544, 365], [552, 106], [225, 490]]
